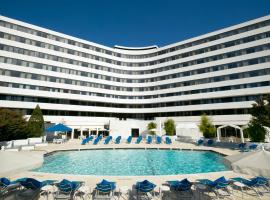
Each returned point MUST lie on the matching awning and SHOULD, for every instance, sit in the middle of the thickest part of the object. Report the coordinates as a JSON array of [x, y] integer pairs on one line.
[[59, 127]]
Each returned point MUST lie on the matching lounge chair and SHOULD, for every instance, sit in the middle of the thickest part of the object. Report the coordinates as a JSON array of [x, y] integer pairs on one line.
[[253, 147], [97, 140], [105, 190], [118, 140], [182, 187], [7, 186], [108, 139], [129, 139], [31, 183], [145, 190], [242, 146], [159, 140], [168, 140], [210, 142], [149, 139], [219, 187], [67, 189], [32, 188], [200, 142], [139, 139], [259, 184], [85, 141]]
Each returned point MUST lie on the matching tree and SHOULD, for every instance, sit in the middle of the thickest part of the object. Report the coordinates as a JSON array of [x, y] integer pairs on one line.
[[256, 131], [169, 127], [13, 125], [207, 127], [150, 126], [260, 112], [36, 123]]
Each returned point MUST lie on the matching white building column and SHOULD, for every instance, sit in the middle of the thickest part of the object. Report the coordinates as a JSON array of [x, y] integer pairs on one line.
[[89, 132], [160, 128], [72, 134], [242, 136], [218, 134], [81, 133]]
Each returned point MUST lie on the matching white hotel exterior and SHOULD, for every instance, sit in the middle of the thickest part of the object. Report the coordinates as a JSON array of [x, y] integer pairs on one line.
[[87, 85]]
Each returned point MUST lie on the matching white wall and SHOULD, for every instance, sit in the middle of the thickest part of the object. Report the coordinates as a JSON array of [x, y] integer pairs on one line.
[[123, 128]]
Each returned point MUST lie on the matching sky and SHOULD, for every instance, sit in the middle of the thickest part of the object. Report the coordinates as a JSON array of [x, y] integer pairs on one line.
[[134, 23]]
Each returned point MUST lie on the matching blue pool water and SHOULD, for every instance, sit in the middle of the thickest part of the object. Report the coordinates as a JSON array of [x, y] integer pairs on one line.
[[132, 162]]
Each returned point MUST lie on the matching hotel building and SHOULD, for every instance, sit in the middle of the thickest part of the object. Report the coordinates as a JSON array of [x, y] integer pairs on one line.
[[90, 87]]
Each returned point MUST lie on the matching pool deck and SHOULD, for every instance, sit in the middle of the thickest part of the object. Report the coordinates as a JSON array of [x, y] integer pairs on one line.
[[91, 180]]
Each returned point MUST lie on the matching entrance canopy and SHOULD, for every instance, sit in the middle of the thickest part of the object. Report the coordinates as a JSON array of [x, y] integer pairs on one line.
[[59, 127], [230, 125]]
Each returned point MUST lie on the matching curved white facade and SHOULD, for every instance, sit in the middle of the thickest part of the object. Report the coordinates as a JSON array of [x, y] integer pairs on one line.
[[220, 73]]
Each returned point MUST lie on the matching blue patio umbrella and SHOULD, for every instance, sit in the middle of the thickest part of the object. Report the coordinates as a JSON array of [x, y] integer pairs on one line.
[[59, 127]]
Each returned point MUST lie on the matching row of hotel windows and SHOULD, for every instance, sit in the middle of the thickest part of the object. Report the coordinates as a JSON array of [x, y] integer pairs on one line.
[[189, 92], [130, 106], [115, 62], [145, 116], [142, 80], [255, 73], [98, 49], [180, 65]]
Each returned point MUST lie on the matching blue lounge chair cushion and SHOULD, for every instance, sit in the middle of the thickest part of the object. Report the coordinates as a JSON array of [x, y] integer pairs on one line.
[[149, 139], [129, 139], [258, 181], [262, 178], [174, 184], [106, 186], [185, 185], [139, 139], [67, 186], [159, 141], [207, 182], [182, 185], [31, 183], [5, 181], [222, 179], [200, 141], [118, 139], [210, 142], [168, 140], [242, 145], [145, 186], [221, 182], [253, 146]]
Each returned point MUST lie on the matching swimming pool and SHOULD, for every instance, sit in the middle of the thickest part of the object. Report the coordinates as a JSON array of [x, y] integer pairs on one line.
[[132, 162]]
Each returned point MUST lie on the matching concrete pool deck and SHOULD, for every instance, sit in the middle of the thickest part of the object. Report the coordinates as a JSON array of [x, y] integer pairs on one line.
[[91, 180]]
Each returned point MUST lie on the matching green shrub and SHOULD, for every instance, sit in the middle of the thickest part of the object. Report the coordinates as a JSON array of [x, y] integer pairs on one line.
[[152, 125], [169, 127], [206, 127]]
